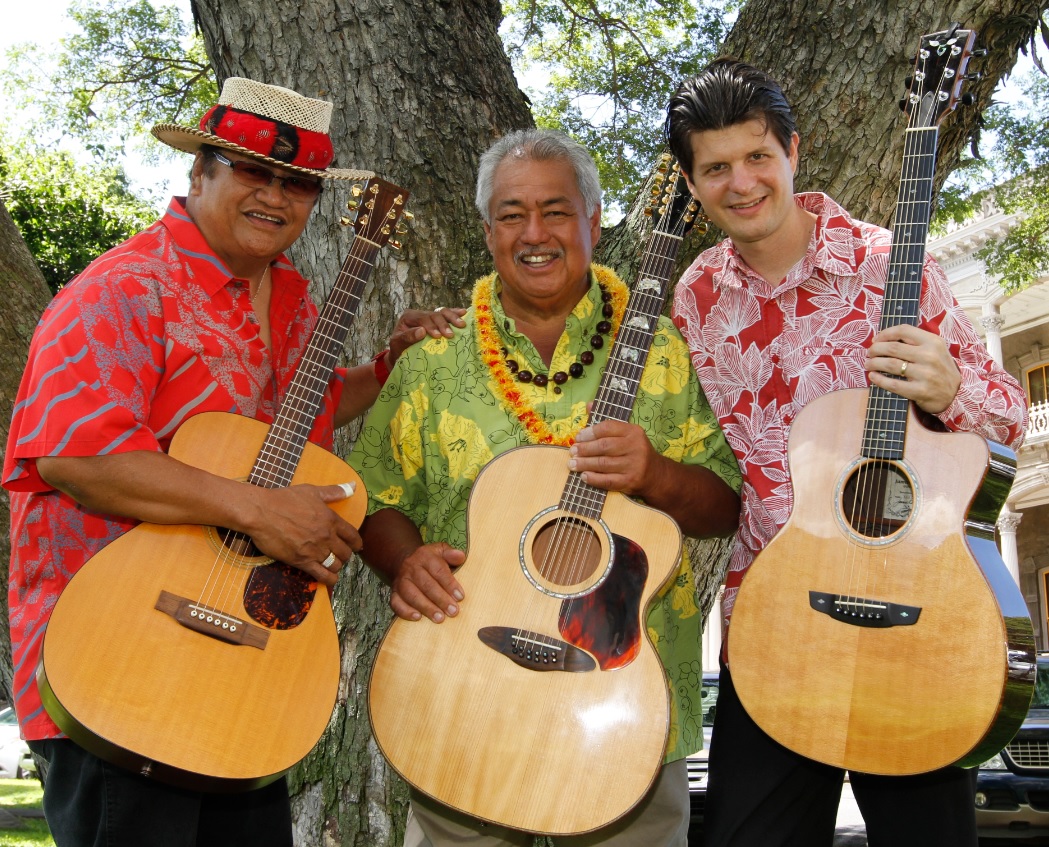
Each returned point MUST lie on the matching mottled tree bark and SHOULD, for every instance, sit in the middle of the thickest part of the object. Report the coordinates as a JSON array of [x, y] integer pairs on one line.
[[25, 294], [420, 90], [843, 67]]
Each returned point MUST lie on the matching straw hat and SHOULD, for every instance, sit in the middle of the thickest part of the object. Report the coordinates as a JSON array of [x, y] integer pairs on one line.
[[268, 123]]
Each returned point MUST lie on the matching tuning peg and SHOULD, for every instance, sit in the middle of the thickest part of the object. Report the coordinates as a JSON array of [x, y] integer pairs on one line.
[[908, 82], [395, 244], [356, 190], [979, 52], [353, 205], [401, 228], [408, 216], [903, 104], [648, 211], [345, 221], [967, 99], [975, 76]]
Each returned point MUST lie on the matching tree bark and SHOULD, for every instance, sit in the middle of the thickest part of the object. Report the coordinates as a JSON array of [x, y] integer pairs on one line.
[[25, 294], [843, 67], [420, 91]]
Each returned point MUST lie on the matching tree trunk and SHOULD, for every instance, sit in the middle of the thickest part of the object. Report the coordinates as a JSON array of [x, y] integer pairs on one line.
[[25, 294], [420, 91], [843, 67]]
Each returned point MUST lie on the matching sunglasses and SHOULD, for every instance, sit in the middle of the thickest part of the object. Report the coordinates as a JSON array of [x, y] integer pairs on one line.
[[257, 176]]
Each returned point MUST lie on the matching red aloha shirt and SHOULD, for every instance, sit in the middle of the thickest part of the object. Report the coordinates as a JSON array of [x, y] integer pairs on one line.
[[763, 351], [151, 333]]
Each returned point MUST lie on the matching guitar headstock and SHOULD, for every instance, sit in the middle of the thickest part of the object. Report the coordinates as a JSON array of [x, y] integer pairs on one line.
[[934, 88], [379, 206], [672, 206]]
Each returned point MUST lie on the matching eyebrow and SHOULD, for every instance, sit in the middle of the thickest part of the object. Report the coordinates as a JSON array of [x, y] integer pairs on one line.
[[554, 201]]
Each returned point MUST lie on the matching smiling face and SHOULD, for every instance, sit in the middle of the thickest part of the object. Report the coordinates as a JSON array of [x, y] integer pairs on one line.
[[246, 227], [540, 236], [744, 179]]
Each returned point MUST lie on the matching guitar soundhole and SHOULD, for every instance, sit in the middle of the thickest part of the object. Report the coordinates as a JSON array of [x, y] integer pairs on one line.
[[877, 498], [566, 551]]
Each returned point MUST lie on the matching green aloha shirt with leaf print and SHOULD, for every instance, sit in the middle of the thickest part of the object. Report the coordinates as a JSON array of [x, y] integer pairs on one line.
[[437, 422]]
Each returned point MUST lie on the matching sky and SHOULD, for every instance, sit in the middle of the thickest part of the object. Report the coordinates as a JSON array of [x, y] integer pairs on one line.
[[44, 22]]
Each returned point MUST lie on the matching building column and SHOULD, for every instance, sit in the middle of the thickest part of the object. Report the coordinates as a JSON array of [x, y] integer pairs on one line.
[[1008, 523], [992, 322]]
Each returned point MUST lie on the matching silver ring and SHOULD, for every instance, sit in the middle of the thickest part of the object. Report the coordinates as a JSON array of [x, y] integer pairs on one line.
[[439, 309], [903, 371], [331, 560]]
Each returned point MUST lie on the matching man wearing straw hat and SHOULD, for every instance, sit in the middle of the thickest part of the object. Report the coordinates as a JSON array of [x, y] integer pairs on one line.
[[200, 312]]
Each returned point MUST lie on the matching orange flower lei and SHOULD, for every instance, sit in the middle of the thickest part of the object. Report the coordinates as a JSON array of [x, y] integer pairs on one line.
[[490, 347]]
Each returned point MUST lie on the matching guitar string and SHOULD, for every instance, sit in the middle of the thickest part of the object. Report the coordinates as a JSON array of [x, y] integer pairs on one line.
[[902, 299], [275, 465], [571, 551]]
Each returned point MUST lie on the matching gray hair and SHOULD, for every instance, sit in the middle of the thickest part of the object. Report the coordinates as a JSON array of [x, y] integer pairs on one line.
[[538, 145]]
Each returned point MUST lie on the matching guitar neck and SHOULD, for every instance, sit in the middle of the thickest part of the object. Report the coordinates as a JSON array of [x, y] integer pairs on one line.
[[621, 379], [291, 428], [885, 428]]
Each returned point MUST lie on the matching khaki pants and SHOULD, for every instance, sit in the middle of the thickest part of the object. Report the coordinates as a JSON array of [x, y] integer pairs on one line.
[[659, 820]]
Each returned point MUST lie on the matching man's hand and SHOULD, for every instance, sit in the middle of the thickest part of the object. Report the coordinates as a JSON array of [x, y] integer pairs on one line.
[[930, 374], [297, 527], [614, 456], [414, 325], [424, 584]]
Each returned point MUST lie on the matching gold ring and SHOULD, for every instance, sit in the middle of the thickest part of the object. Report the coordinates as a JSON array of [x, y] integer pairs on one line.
[[903, 371], [331, 560]]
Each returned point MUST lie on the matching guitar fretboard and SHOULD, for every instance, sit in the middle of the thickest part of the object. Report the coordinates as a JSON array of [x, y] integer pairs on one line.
[[287, 437], [626, 363], [885, 427]]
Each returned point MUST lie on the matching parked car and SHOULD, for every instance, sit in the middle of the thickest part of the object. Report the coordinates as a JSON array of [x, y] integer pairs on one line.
[[697, 763], [1012, 788], [16, 762]]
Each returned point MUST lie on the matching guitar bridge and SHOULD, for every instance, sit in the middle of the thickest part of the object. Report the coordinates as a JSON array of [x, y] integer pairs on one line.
[[859, 611], [208, 621], [536, 652]]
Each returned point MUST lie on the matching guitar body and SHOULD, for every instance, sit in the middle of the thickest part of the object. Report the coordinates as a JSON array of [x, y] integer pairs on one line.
[[568, 733], [892, 641], [135, 686]]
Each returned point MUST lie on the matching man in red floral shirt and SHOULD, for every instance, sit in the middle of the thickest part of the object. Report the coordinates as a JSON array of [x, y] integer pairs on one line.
[[782, 312], [200, 312]]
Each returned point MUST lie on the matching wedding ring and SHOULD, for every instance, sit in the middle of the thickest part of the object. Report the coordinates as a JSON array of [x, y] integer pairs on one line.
[[331, 560], [903, 371]]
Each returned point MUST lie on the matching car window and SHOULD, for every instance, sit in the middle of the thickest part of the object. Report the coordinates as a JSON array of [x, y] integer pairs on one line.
[[710, 700], [8, 717], [1041, 687]]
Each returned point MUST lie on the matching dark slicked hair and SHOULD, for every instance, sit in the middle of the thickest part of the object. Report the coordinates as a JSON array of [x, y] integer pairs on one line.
[[725, 93]]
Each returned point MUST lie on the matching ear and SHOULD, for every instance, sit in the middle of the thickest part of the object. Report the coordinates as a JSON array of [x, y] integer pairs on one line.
[[595, 226], [792, 154], [489, 239], [196, 174]]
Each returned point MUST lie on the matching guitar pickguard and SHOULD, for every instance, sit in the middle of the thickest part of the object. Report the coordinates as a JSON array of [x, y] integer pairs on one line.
[[607, 621], [279, 596]]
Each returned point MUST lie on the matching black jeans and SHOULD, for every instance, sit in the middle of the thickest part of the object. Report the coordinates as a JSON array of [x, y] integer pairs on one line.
[[761, 794], [91, 803]]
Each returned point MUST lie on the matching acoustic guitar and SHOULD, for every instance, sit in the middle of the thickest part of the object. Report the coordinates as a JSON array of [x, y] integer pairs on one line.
[[879, 630], [182, 653], [543, 705]]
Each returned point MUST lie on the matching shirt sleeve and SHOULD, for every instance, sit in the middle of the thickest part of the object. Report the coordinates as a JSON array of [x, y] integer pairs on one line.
[[92, 370], [989, 402], [673, 409]]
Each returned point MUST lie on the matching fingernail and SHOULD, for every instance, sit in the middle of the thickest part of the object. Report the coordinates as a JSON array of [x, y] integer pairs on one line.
[[571, 464], [573, 451], [458, 595], [437, 617], [453, 609], [348, 488]]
